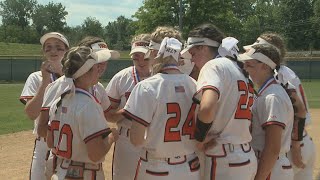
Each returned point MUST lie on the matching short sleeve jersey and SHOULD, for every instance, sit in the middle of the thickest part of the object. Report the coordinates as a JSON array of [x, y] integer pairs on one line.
[[163, 103], [97, 91], [296, 82], [233, 115], [30, 89], [77, 120], [120, 87], [272, 107]]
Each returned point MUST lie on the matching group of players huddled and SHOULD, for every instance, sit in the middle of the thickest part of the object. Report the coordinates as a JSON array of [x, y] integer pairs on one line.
[[202, 111]]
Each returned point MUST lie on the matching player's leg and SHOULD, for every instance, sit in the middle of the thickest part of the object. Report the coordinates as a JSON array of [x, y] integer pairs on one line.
[[188, 169], [236, 163], [308, 157], [125, 158], [50, 165], [37, 170]]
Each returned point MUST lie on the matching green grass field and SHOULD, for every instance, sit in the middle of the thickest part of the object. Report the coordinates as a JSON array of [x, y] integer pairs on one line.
[[13, 119], [31, 50]]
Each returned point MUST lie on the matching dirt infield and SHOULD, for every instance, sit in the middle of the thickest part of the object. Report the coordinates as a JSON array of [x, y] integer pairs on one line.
[[16, 152]]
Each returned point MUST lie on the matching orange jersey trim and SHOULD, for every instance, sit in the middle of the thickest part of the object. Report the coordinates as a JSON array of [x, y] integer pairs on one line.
[[135, 118], [24, 98], [264, 125], [209, 87], [99, 133], [114, 100]]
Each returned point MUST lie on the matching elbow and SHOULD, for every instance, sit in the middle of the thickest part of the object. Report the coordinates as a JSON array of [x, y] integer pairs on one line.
[[31, 115], [135, 141], [94, 157]]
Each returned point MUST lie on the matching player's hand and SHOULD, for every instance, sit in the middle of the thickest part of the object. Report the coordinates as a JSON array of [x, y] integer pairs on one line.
[[46, 70], [296, 155], [113, 136], [208, 143]]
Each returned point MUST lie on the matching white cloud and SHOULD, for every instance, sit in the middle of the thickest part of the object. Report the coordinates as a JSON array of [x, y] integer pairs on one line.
[[103, 10]]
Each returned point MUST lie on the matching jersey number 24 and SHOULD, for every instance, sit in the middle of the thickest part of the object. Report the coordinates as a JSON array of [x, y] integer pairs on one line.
[[189, 125]]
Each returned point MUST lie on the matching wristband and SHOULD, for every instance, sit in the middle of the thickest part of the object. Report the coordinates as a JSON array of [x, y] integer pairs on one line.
[[201, 130]]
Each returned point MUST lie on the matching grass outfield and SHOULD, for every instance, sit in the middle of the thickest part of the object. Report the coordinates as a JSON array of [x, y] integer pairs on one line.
[[30, 50], [13, 119]]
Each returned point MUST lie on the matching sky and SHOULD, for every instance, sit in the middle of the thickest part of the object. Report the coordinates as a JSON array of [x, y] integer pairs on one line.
[[103, 10]]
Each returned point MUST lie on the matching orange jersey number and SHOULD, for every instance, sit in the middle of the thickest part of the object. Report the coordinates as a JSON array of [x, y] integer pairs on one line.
[[188, 127], [65, 132], [245, 102]]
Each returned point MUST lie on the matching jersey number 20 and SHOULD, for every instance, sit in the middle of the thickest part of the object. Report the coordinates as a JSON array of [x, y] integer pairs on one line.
[[171, 135], [65, 132]]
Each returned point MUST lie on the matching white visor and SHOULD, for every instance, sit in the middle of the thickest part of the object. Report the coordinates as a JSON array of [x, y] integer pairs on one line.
[[96, 57], [139, 46], [195, 41], [260, 41], [55, 35], [154, 45], [251, 54], [109, 54]]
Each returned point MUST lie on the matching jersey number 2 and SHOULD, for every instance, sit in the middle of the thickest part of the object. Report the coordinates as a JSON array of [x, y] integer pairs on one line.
[[171, 135], [245, 101]]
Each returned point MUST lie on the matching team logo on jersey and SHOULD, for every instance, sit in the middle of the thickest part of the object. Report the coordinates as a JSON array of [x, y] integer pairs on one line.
[[64, 109], [179, 89]]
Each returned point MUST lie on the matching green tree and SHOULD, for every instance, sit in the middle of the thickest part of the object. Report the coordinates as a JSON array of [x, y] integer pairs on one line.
[[50, 17], [155, 13], [92, 27], [296, 19], [17, 12], [119, 33]]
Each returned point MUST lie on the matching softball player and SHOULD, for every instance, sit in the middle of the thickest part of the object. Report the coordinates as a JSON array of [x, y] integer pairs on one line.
[[125, 155], [225, 97], [272, 114], [54, 46], [77, 127], [166, 131], [97, 91], [302, 152], [185, 65]]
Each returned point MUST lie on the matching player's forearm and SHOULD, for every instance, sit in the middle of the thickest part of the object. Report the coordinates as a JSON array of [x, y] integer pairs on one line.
[[33, 106], [207, 108], [266, 163], [43, 123]]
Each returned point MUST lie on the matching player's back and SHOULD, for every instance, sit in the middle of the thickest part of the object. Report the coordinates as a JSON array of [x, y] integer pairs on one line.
[[78, 119], [171, 131], [233, 116]]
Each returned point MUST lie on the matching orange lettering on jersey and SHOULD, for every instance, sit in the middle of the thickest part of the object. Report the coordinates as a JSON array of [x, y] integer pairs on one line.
[[65, 132], [245, 101], [188, 127], [173, 122]]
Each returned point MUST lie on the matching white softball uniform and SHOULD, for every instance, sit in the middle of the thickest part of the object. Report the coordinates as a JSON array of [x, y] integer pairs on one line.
[[125, 155], [232, 156], [77, 120], [163, 103], [98, 93], [273, 107], [40, 151], [308, 151]]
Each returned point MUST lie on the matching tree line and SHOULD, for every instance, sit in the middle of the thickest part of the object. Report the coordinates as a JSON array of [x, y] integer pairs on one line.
[[25, 21]]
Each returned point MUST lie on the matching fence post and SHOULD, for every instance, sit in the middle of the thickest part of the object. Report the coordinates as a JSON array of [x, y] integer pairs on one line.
[[11, 68]]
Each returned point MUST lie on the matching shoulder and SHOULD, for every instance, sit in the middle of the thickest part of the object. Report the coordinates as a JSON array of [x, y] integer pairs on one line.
[[35, 75]]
